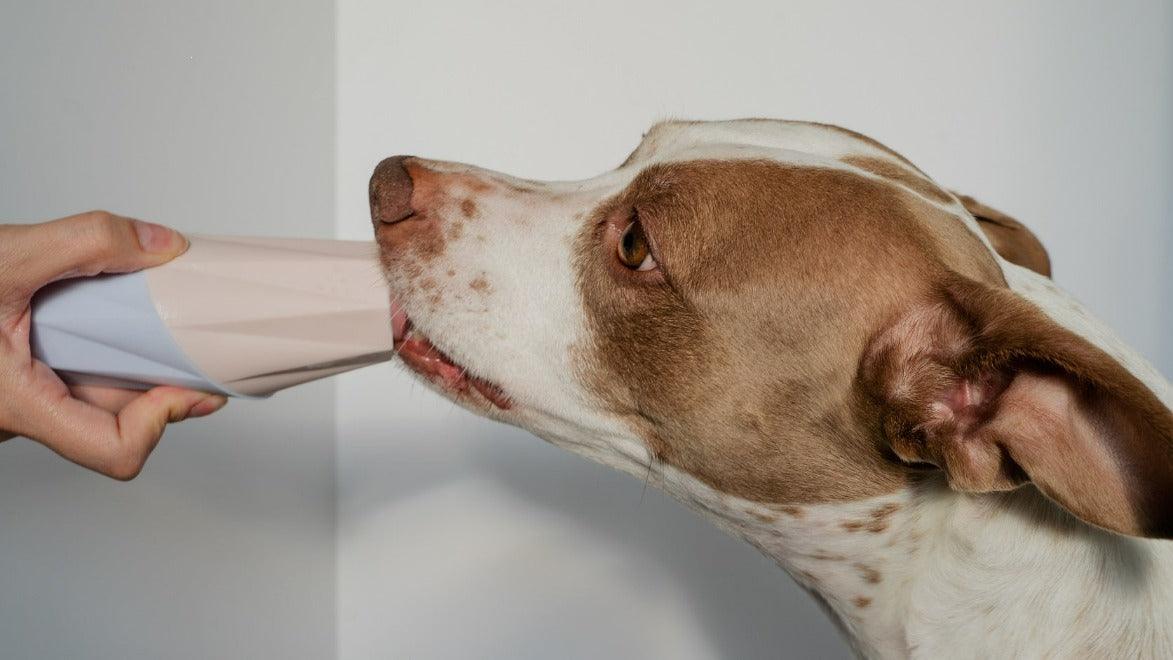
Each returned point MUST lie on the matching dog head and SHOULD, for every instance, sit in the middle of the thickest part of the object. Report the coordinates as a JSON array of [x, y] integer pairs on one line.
[[784, 312]]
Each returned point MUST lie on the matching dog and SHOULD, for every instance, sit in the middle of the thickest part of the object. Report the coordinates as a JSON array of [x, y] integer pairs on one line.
[[792, 329]]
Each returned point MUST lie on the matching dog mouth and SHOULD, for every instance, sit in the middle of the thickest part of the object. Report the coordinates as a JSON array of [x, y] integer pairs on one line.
[[422, 357]]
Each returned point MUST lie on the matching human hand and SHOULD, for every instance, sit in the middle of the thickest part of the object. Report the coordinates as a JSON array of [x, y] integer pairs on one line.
[[109, 430]]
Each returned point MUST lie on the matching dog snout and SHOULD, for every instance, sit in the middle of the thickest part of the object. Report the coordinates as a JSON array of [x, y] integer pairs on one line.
[[390, 191]]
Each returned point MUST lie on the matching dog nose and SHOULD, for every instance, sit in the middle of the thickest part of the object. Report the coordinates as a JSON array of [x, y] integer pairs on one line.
[[390, 191]]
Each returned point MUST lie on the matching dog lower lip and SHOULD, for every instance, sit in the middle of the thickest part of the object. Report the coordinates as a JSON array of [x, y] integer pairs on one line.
[[493, 393], [425, 359]]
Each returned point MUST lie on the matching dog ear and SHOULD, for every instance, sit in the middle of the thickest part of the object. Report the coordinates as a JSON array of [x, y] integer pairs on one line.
[[1010, 238], [983, 385]]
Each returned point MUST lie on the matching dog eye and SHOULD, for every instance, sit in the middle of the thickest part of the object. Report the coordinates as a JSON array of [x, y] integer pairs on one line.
[[633, 249]]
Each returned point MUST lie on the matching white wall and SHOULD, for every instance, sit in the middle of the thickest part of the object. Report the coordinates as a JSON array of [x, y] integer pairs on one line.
[[460, 538], [213, 117]]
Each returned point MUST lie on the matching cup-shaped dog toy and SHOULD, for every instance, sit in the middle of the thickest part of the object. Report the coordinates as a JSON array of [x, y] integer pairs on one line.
[[234, 316]]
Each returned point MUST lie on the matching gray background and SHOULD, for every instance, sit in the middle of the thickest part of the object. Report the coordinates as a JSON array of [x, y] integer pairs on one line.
[[365, 517], [212, 117]]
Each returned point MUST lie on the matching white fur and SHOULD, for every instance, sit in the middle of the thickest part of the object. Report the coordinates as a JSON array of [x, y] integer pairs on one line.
[[1006, 575]]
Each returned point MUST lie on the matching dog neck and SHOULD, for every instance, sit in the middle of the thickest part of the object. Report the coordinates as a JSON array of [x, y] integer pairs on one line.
[[934, 573]]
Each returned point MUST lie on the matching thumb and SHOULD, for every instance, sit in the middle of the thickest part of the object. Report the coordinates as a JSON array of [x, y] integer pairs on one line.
[[88, 244]]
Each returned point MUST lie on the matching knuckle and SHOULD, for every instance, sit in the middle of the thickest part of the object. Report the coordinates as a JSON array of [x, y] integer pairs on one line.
[[98, 215], [103, 232], [126, 465]]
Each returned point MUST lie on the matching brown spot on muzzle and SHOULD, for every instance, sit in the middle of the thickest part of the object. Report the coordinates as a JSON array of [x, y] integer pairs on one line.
[[433, 218], [869, 574], [479, 284], [455, 231]]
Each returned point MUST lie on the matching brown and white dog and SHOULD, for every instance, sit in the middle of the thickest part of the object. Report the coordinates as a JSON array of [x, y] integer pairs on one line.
[[795, 331]]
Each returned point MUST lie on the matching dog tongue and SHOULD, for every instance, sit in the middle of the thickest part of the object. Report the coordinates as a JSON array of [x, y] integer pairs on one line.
[[398, 322]]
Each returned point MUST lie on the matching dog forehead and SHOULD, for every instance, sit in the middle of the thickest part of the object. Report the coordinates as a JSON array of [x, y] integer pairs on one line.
[[792, 142], [830, 152]]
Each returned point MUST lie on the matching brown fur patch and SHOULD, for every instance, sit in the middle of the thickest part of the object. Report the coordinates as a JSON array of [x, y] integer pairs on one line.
[[869, 574], [455, 230], [861, 601], [1010, 238], [420, 237], [479, 284], [738, 367], [876, 522], [880, 514], [909, 178], [468, 208]]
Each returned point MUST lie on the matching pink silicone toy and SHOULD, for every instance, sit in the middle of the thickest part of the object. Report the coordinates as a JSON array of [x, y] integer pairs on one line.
[[241, 316]]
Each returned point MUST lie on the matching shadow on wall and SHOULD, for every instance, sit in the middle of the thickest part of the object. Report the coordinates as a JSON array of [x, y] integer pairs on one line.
[[1166, 365], [743, 605]]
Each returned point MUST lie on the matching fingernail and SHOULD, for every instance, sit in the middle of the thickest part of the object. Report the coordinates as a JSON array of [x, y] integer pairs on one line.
[[207, 406], [157, 238]]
